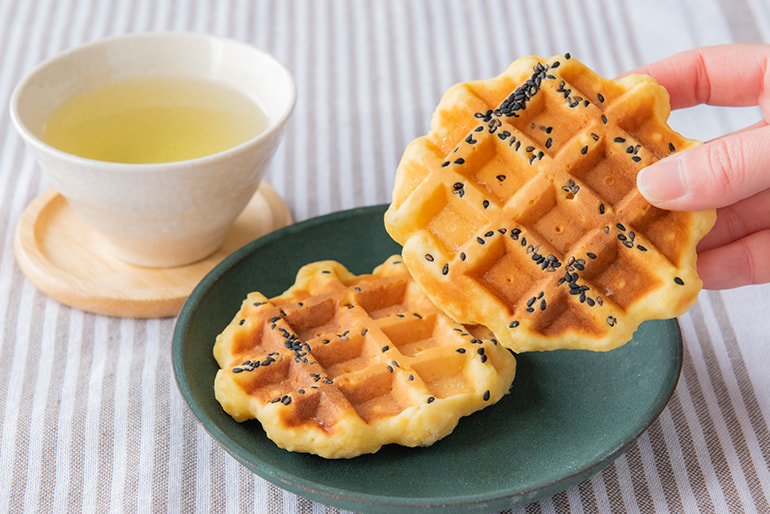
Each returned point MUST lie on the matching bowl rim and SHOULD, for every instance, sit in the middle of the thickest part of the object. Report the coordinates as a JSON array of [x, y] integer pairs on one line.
[[39, 145]]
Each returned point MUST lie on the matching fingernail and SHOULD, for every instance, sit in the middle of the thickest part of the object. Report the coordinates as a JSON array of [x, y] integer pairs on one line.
[[662, 182]]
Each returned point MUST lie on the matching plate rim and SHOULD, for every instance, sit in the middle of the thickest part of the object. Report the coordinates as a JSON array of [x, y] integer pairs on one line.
[[345, 499]]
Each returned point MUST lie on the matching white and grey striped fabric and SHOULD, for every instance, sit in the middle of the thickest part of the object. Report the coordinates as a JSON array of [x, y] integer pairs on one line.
[[90, 416]]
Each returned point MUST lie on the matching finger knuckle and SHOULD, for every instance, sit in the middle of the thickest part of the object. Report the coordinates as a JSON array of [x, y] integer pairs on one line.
[[727, 165]]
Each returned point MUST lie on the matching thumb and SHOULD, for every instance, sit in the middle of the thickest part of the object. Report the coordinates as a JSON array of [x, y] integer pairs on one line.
[[713, 175]]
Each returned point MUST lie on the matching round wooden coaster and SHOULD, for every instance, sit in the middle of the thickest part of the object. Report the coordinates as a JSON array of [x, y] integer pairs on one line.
[[70, 262]]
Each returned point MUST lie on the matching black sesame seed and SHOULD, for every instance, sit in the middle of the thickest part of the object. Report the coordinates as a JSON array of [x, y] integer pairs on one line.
[[591, 255], [671, 147], [486, 396], [460, 161], [604, 119], [620, 140], [641, 248], [620, 226], [601, 208], [445, 269], [460, 350], [479, 240], [679, 281], [548, 143], [600, 97], [462, 256], [513, 324], [584, 150], [485, 204], [430, 399], [500, 177], [457, 186], [428, 257], [636, 158], [611, 321], [530, 148], [445, 164], [286, 400]]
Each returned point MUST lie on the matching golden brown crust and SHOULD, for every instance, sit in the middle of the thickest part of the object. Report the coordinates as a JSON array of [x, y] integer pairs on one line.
[[340, 365], [519, 209]]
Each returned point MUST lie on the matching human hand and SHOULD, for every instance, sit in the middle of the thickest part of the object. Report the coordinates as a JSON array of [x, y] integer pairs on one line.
[[730, 173]]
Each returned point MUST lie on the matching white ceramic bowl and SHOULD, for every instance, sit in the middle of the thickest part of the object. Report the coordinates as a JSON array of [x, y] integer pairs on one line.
[[166, 214]]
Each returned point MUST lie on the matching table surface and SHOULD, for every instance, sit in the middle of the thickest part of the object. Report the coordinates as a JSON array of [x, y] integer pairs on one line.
[[90, 415]]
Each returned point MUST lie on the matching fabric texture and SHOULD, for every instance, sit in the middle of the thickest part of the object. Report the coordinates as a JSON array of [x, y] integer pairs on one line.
[[90, 416]]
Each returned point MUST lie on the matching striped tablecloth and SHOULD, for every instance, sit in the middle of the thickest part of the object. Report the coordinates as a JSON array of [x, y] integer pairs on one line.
[[90, 415]]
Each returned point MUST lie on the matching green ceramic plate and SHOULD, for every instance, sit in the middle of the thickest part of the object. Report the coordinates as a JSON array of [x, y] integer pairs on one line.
[[569, 414]]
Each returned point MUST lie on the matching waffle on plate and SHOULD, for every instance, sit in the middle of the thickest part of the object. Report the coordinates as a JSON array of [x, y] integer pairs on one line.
[[340, 365]]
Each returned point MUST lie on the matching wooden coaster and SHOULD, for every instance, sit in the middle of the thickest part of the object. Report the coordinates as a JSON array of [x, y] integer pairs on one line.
[[70, 262]]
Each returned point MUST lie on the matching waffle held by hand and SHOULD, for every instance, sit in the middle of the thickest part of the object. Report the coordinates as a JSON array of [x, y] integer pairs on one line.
[[519, 209], [340, 365]]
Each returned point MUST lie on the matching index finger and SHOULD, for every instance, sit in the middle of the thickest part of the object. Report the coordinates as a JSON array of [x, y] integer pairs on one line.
[[729, 75]]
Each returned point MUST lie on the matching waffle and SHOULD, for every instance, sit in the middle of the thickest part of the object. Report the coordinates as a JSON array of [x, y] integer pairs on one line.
[[340, 365], [519, 209]]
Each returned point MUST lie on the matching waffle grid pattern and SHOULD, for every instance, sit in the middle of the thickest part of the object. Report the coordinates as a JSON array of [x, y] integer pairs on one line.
[[339, 353], [530, 202]]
